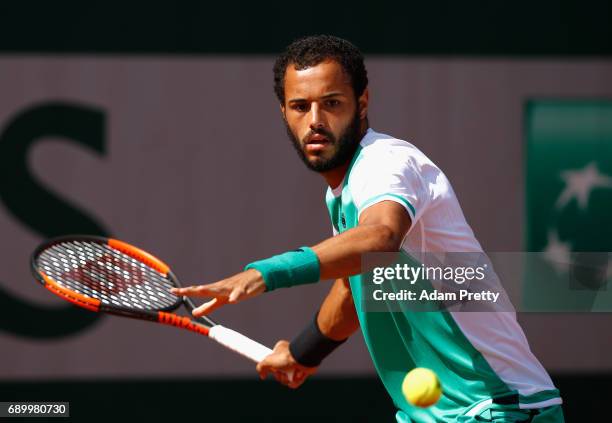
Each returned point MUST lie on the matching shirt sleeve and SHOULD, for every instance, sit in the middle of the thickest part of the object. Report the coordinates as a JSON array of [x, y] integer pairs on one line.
[[388, 177]]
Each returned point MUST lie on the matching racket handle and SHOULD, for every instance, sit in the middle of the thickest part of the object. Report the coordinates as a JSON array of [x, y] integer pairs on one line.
[[235, 341], [241, 344]]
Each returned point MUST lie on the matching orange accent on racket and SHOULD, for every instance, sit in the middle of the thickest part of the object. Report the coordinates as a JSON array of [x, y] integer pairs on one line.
[[140, 255], [74, 297]]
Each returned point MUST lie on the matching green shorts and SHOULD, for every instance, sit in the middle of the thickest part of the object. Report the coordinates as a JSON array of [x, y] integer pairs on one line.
[[497, 413]]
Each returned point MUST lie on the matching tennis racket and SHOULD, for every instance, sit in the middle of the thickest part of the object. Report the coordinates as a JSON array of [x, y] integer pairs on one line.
[[106, 275]]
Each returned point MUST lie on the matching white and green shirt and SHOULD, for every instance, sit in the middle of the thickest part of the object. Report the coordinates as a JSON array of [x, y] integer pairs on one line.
[[480, 357]]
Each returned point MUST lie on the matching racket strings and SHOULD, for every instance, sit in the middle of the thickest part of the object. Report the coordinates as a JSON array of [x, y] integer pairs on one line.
[[98, 271]]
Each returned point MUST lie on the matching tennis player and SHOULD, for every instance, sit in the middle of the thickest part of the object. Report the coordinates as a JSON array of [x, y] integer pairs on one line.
[[384, 195]]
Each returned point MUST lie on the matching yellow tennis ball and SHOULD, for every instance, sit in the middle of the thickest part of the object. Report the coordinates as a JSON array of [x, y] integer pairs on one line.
[[421, 387]]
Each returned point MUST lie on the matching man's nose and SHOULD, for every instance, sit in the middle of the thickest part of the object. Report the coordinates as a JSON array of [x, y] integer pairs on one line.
[[316, 117]]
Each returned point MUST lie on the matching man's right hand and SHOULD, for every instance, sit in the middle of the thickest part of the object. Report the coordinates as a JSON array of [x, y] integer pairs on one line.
[[241, 286], [283, 366]]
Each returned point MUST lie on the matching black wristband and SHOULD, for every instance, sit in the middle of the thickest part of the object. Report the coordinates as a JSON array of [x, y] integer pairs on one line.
[[310, 347]]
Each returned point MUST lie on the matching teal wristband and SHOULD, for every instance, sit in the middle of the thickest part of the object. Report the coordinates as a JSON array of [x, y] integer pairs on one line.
[[292, 268]]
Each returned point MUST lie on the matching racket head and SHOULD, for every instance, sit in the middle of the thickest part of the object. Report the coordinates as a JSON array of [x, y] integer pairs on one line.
[[105, 274]]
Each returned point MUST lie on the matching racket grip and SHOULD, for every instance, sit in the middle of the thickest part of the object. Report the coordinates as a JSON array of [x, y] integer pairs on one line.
[[235, 341]]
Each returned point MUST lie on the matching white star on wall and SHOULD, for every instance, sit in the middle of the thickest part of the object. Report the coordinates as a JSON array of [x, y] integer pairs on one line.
[[557, 253], [580, 183]]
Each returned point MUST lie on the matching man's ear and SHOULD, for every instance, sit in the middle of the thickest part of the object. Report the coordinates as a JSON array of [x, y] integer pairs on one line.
[[282, 109], [362, 104]]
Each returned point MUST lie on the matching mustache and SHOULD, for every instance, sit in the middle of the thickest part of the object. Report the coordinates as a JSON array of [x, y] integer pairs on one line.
[[319, 131]]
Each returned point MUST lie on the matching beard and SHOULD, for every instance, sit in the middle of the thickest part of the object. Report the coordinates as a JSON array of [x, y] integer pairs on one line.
[[345, 146]]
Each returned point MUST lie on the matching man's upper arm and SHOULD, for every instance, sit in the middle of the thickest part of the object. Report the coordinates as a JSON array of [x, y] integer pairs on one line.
[[389, 214]]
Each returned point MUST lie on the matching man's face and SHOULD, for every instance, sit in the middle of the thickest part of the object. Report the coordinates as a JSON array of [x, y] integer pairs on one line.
[[322, 115]]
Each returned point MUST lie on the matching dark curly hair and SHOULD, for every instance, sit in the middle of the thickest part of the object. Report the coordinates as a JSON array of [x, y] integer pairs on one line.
[[310, 51]]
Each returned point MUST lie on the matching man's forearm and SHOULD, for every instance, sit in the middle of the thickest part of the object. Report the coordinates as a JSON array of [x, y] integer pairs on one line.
[[334, 323], [382, 227], [340, 256], [337, 318]]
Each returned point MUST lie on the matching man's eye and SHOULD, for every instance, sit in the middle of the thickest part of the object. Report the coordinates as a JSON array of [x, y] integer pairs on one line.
[[332, 103], [299, 107]]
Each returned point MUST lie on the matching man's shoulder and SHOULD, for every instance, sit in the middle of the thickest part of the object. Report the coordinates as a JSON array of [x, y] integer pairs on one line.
[[379, 151], [374, 141]]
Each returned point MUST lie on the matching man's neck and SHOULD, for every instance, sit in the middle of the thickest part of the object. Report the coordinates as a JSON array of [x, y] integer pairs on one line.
[[335, 176]]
